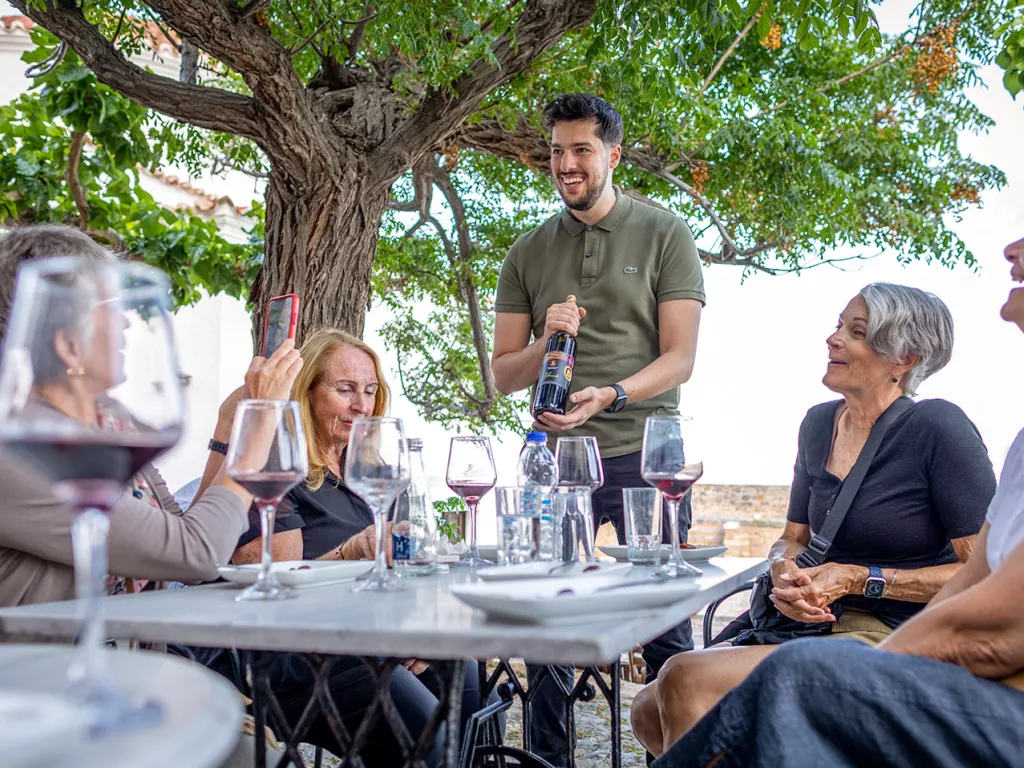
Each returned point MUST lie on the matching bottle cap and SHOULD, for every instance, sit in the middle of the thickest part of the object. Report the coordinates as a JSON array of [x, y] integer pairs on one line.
[[537, 437], [571, 298]]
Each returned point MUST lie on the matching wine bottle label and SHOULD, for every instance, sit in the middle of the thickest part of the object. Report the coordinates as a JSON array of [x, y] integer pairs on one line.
[[557, 369]]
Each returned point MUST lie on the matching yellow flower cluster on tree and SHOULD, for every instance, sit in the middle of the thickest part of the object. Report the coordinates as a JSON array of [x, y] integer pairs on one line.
[[773, 40], [700, 175], [937, 60]]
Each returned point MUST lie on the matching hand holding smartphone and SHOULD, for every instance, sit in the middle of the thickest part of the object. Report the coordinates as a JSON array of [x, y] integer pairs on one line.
[[280, 322]]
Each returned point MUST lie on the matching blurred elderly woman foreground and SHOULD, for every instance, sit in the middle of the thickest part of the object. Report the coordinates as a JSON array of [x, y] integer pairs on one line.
[[946, 689], [151, 539], [910, 527]]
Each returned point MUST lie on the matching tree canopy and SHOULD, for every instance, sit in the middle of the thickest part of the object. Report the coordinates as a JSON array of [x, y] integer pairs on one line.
[[404, 154]]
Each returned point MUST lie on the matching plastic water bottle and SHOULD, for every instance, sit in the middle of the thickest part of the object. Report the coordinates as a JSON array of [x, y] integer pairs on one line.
[[538, 474], [414, 530]]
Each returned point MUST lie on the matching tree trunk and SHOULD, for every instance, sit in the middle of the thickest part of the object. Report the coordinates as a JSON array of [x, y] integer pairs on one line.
[[320, 243]]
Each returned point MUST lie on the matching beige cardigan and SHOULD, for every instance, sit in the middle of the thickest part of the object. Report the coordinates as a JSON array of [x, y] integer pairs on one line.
[[145, 542]]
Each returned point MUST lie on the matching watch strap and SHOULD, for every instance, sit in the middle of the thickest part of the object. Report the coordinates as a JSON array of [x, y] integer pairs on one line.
[[218, 446], [620, 399]]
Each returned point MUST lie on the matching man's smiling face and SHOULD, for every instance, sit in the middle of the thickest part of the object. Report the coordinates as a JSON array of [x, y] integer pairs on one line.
[[581, 163]]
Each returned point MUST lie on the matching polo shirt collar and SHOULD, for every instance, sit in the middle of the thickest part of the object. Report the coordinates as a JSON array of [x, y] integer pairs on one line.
[[611, 220]]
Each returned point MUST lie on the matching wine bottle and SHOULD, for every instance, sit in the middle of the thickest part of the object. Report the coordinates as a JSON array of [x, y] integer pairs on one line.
[[555, 380]]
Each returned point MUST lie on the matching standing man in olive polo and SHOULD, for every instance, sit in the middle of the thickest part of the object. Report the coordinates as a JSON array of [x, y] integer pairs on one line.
[[637, 278]]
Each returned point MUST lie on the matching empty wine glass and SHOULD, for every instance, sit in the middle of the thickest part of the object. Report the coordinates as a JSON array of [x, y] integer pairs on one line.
[[579, 466], [471, 475], [671, 462], [89, 393], [268, 458], [377, 468], [579, 462]]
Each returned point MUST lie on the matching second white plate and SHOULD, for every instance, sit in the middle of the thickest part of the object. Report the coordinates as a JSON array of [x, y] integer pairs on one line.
[[299, 573], [548, 570], [540, 602], [694, 555]]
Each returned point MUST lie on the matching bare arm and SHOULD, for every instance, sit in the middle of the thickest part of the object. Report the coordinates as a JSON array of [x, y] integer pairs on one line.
[[286, 545], [784, 552], [678, 323], [266, 379], [980, 628], [515, 362]]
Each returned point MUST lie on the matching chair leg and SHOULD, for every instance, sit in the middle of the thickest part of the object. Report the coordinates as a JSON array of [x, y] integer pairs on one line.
[[318, 757]]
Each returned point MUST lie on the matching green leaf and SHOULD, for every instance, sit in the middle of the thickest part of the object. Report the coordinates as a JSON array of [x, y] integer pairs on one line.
[[1012, 82]]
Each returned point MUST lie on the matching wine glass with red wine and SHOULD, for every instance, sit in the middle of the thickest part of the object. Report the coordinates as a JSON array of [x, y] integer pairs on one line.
[[90, 391], [267, 456], [471, 475], [671, 462], [377, 468]]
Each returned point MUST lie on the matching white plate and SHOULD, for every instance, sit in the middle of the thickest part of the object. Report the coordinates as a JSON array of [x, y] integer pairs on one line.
[[543, 570], [695, 555], [292, 573], [35, 728], [538, 602]]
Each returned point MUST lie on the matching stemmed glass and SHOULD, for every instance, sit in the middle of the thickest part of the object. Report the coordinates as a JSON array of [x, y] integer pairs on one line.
[[579, 462], [268, 458], [377, 468], [579, 466], [89, 393], [471, 475], [671, 462]]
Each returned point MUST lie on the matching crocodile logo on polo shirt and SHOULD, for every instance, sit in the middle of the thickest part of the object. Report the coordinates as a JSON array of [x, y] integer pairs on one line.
[[630, 270]]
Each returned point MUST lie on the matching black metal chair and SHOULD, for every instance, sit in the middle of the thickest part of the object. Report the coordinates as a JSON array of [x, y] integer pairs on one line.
[[709, 614]]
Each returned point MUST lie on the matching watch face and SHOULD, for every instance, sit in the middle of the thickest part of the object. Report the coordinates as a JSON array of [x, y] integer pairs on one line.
[[874, 588]]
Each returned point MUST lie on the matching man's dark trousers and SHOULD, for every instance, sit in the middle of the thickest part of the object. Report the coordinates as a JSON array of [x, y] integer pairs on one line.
[[547, 713]]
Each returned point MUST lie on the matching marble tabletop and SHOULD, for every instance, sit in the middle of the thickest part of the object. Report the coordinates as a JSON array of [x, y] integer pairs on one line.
[[201, 720], [423, 621]]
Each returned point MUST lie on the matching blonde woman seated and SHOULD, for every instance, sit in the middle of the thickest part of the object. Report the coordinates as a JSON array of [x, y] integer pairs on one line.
[[912, 523], [341, 379]]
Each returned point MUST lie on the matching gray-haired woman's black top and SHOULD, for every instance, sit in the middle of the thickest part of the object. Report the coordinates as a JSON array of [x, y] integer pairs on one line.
[[931, 481]]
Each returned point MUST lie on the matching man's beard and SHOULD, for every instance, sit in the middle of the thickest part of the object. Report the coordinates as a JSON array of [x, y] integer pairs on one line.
[[590, 197]]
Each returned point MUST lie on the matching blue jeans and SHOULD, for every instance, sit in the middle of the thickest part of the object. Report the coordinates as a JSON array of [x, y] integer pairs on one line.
[[547, 713], [835, 702]]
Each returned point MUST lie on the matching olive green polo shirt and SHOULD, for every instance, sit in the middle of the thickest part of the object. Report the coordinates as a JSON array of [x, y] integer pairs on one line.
[[620, 270]]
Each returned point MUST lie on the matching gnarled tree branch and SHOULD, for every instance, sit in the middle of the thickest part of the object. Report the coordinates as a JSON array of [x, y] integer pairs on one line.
[[539, 27], [205, 107], [74, 183]]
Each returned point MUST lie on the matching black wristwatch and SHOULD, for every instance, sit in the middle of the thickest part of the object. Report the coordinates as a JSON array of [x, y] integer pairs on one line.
[[218, 446], [620, 399], [875, 585]]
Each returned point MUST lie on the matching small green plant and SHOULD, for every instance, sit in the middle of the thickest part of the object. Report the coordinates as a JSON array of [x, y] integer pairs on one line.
[[446, 527]]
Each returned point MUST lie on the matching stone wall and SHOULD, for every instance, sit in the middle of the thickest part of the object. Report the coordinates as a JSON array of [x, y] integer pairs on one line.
[[746, 518]]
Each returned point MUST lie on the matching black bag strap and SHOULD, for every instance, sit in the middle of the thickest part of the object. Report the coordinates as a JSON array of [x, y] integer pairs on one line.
[[821, 541]]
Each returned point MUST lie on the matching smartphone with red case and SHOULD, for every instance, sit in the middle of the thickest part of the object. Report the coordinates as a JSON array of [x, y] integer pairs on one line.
[[282, 317]]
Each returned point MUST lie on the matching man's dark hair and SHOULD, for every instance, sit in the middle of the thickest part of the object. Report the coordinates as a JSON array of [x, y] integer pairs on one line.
[[585, 106]]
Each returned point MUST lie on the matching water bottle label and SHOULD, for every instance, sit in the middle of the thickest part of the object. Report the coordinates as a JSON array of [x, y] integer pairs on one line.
[[403, 547], [530, 503]]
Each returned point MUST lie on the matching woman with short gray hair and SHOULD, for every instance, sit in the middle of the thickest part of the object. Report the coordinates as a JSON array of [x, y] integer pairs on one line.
[[905, 322], [911, 525]]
